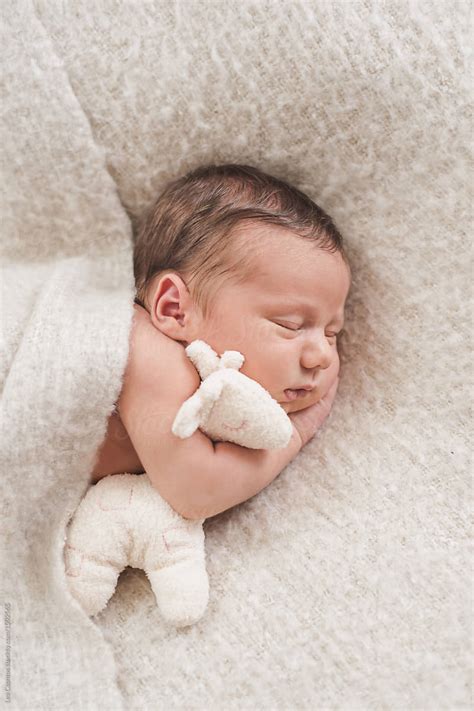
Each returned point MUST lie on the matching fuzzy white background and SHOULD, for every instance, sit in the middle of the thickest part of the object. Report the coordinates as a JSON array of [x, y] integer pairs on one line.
[[346, 583]]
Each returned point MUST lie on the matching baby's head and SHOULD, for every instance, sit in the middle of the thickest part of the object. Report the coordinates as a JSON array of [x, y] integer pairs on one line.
[[244, 261]]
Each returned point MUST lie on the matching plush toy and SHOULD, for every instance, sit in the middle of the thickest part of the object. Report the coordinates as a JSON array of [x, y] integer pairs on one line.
[[123, 521]]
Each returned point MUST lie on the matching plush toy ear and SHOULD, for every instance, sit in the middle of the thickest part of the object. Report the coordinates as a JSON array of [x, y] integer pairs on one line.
[[231, 359], [188, 417], [196, 409], [204, 359]]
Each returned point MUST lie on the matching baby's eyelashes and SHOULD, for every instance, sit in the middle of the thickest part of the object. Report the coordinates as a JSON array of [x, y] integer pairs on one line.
[[291, 327]]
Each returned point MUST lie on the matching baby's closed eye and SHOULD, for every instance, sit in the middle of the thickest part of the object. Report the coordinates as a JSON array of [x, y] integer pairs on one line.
[[296, 327]]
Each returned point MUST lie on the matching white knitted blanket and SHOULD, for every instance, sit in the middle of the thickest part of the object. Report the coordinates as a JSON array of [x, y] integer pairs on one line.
[[345, 584]]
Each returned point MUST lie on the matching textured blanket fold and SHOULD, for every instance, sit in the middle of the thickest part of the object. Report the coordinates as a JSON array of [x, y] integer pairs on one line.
[[67, 292]]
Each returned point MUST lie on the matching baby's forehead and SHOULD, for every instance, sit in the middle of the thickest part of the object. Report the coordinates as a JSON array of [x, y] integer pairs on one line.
[[268, 256], [293, 292], [293, 273]]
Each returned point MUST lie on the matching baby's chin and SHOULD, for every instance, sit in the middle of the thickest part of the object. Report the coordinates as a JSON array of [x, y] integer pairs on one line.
[[294, 406]]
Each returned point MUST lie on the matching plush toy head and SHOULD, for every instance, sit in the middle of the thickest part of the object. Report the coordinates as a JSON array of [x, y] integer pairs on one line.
[[229, 406]]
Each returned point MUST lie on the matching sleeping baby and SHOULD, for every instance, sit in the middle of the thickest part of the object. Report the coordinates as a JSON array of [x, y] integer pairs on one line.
[[243, 261]]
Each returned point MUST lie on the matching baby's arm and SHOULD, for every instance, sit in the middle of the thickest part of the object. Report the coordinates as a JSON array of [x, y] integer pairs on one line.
[[236, 474], [240, 473], [197, 478]]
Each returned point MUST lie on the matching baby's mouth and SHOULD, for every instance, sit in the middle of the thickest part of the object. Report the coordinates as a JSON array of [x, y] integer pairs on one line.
[[295, 394]]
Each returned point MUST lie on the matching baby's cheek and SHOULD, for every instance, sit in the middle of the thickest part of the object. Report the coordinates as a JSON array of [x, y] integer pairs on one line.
[[262, 335]]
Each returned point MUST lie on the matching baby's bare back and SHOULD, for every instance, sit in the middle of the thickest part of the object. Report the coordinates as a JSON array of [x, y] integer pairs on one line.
[[116, 454]]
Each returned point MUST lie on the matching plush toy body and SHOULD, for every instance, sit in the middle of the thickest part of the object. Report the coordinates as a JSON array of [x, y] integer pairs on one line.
[[123, 521]]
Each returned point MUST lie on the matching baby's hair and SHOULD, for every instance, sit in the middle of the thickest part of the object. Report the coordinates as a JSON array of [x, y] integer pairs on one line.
[[193, 227]]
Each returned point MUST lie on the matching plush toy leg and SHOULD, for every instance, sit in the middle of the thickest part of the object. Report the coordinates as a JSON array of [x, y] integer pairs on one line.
[[178, 576], [95, 550], [181, 590], [170, 549], [90, 581]]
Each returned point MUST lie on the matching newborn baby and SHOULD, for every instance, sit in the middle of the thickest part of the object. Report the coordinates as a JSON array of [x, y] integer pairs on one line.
[[243, 261]]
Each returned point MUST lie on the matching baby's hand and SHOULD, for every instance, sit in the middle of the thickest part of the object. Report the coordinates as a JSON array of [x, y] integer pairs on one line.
[[308, 421]]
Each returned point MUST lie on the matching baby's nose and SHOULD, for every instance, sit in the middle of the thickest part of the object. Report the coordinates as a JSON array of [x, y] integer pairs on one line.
[[318, 353]]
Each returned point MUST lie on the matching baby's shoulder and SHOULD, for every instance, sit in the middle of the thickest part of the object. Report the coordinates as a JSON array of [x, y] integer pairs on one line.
[[157, 366]]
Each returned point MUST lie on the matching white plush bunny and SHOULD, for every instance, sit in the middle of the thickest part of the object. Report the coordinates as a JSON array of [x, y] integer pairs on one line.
[[123, 521]]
